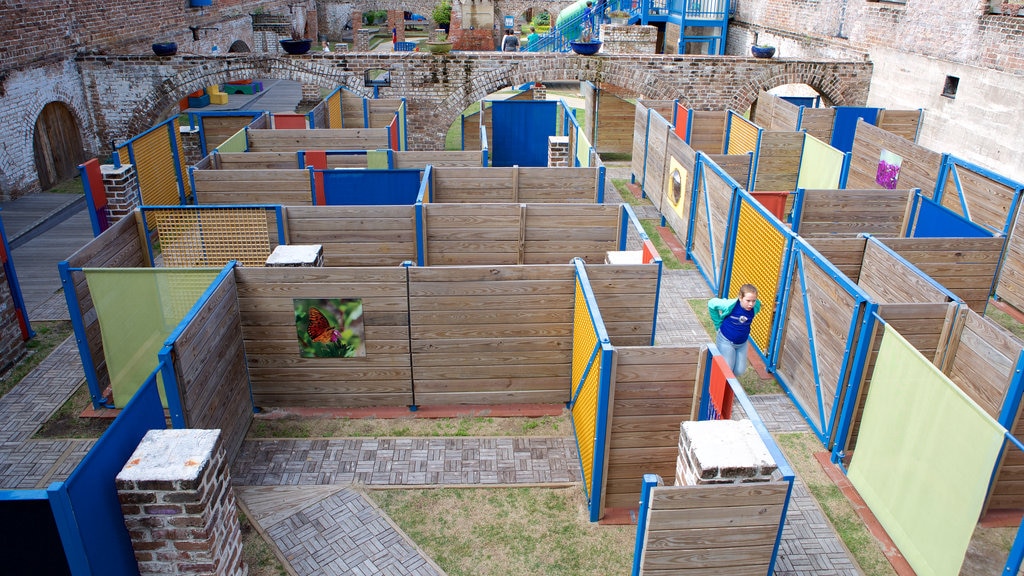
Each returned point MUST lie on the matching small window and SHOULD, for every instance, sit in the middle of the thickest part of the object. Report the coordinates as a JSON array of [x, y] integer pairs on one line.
[[949, 90]]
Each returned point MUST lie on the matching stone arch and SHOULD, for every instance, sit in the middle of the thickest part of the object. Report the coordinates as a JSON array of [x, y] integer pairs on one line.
[[239, 46], [154, 106], [822, 79]]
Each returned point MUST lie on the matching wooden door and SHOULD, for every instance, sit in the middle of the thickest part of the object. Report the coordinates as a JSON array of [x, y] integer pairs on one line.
[[57, 145]]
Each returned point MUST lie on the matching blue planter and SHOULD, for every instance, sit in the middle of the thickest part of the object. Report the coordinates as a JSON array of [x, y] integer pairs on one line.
[[297, 46], [165, 48], [762, 51], [197, 3], [585, 48]]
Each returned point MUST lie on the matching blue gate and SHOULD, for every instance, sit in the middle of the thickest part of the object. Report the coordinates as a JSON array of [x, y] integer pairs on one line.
[[520, 131], [845, 124]]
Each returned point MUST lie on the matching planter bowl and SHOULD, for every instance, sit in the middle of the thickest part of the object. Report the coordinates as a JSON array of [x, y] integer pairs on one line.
[[165, 48], [297, 46], [439, 47], [762, 51], [585, 48]]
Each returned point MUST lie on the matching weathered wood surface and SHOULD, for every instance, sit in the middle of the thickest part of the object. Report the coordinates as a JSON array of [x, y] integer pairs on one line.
[[1011, 274], [209, 362], [674, 197], [888, 279], [356, 235], [818, 122], [707, 131], [988, 202], [736, 166], [852, 212], [712, 529], [653, 394], [437, 158], [323, 139], [846, 254], [903, 123], [614, 131], [965, 266], [287, 187], [831, 312], [217, 129], [256, 160], [919, 168], [658, 135], [778, 161], [471, 129], [515, 184]]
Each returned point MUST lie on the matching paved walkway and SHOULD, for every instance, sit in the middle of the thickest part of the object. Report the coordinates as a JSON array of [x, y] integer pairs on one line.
[[305, 494]]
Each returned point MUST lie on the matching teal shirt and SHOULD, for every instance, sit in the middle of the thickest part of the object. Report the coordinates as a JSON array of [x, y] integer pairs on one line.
[[533, 37]]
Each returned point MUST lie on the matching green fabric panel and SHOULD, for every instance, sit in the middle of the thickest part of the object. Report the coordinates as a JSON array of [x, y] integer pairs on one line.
[[234, 144], [377, 159], [820, 165], [923, 458], [137, 310], [582, 149]]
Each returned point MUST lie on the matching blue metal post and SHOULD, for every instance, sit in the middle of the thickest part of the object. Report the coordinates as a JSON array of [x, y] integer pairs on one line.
[[78, 325], [649, 482]]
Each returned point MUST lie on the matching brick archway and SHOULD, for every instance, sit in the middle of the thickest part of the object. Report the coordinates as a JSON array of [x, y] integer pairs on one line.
[[438, 88]]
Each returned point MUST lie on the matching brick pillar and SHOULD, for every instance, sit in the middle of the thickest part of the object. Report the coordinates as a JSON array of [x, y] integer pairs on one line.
[[722, 452], [396, 20], [190, 145], [123, 193], [540, 92], [310, 93], [176, 497], [361, 40], [558, 151]]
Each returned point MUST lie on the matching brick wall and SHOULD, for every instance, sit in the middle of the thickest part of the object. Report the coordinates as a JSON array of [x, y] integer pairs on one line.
[[618, 39], [914, 47]]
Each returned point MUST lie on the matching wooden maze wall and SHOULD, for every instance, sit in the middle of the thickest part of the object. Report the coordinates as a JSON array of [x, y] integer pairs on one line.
[[209, 362], [831, 213], [355, 235], [266, 186], [919, 169], [652, 394], [291, 140], [515, 184], [778, 161]]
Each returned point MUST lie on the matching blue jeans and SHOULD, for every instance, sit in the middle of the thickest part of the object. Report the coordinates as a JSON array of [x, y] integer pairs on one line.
[[735, 354]]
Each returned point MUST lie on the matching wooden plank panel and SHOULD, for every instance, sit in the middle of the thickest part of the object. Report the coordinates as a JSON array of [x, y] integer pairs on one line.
[[919, 169], [778, 160]]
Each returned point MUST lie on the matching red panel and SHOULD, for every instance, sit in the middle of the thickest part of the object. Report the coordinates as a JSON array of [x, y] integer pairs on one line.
[[95, 182], [682, 120], [775, 202], [287, 121], [649, 252], [393, 133], [721, 392], [318, 159]]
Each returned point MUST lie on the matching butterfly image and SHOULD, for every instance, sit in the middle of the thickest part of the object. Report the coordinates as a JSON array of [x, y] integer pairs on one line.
[[319, 328]]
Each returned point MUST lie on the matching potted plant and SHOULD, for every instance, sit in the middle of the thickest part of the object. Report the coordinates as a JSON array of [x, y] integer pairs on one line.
[[620, 17], [442, 15], [439, 43], [166, 48], [587, 45], [296, 44], [762, 51]]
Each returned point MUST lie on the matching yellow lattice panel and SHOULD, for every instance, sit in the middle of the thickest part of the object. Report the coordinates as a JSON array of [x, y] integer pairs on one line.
[[334, 110], [742, 136], [760, 248], [181, 160], [584, 410], [192, 238], [154, 164]]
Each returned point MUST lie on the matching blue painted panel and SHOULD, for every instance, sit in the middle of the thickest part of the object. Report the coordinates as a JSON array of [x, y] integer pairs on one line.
[[371, 187], [520, 131], [845, 124], [29, 541], [805, 101], [935, 221], [93, 494]]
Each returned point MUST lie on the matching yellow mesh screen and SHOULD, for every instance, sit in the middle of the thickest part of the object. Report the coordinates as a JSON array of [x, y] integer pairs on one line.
[[742, 136], [760, 248], [334, 110], [154, 164], [211, 237], [584, 410]]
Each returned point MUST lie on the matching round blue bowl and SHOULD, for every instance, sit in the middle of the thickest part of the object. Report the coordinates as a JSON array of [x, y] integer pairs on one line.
[[585, 48], [762, 51], [165, 48]]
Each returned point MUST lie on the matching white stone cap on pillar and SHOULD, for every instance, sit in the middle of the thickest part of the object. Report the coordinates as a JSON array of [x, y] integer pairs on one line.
[[558, 139], [733, 448], [110, 169], [170, 455], [188, 129], [295, 255]]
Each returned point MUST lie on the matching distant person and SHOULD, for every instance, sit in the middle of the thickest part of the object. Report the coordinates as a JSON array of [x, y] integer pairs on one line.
[[325, 46], [732, 318], [510, 43], [588, 18], [394, 34], [533, 38]]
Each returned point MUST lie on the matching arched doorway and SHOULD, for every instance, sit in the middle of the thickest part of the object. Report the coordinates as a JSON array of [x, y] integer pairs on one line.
[[57, 145]]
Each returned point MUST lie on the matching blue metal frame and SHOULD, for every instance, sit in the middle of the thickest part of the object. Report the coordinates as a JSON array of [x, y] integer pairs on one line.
[[718, 261], [649, 482], [855, 353], [951, 163], [67, 283], [484, 147], [12, 280], [277, 208], [604, 391]]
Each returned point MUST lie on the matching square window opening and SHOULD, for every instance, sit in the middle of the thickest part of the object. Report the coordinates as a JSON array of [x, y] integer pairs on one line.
[[949, 89]]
